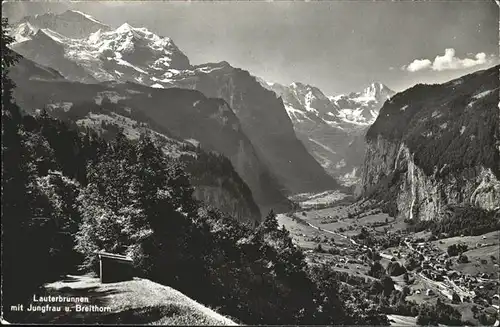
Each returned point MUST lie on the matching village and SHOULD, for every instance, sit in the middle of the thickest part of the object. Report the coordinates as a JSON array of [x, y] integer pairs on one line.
[[461, 271]]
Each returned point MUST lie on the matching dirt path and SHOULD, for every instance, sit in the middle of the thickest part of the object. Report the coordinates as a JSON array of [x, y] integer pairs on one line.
[[138, 301]]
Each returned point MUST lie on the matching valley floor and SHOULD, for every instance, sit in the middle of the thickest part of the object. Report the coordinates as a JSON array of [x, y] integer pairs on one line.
[[330, 235]]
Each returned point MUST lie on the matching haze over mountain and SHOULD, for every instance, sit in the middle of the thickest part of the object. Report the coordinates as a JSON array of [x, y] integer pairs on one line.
[[332, 127]]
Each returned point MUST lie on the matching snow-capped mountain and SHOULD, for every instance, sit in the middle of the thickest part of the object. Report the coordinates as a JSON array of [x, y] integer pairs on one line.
[[331, 127], [133, 54], [24, 32], [123, 54], [45, 47], [343, 111], [71, 23], [362, 107]]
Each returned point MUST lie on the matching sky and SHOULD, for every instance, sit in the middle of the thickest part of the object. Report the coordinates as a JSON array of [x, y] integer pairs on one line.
[[338, 46]]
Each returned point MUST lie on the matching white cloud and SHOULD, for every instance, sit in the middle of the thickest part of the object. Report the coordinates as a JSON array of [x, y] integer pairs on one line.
[[449, 61], [419, 64]]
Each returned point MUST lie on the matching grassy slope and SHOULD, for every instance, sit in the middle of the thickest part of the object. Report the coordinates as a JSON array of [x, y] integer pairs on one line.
[[139, 301]]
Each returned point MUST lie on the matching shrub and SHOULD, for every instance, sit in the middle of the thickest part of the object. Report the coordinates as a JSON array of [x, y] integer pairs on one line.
[[395, 269], [456, 249], [463, 258]]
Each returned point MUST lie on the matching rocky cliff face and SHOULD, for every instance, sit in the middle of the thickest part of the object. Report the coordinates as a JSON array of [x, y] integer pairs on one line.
[[417, 195], [437, 146]]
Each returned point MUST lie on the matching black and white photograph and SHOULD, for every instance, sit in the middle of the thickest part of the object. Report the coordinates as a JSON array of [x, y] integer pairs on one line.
[[223, 163]]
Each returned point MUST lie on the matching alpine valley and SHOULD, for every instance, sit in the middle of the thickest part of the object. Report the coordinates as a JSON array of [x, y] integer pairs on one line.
[[270, 203]]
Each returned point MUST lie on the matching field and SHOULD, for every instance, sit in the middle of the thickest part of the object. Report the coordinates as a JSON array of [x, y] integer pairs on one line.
[[471, 241], [310, 200], [397, 320], [349, 220], [308, 237], [481, 251]]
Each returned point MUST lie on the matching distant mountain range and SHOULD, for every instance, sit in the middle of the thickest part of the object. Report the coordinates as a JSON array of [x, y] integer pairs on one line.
[[235, 116], [345, 111], [332, 127]]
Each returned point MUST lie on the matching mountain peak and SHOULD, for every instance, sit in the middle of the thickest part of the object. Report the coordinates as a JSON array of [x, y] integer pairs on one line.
[[71, 23], [125, 27], [143, 33], [23, 32], [137, 54], [378, 91]]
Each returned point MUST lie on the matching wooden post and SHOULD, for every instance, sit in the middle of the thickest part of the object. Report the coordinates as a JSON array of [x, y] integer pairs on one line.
[[100, 267]]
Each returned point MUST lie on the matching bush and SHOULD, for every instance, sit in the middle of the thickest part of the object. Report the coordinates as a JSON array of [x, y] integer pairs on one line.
[[412, 263], [395, 269], [319, 249], [441, 313], [463, 258], [376, 270], [456, 249]]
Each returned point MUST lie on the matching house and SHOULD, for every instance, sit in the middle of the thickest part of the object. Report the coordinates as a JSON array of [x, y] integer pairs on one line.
[[425, 265], [114, 267]]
